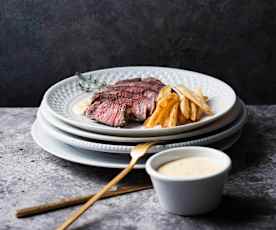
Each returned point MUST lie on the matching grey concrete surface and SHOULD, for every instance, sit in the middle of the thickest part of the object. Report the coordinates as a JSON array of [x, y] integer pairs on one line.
[[29, 176], [42, 42]]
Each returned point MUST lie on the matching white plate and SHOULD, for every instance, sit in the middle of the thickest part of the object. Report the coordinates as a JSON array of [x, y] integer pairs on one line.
[[121, 148], [61, 98], [220, 123], [94, 158]]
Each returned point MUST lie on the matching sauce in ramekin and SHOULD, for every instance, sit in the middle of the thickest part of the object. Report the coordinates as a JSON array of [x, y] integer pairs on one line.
[[192, 166]]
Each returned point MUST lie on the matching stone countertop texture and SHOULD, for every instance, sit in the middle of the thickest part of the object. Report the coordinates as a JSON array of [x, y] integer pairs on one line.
[[30, 176]]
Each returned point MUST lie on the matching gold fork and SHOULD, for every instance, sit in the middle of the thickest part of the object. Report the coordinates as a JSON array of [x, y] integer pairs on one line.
[[136, 153]]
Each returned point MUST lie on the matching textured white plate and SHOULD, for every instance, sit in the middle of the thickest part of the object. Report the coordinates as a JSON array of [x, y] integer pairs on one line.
[[220, 123], [61, 98], [98, 159], [121, 148]]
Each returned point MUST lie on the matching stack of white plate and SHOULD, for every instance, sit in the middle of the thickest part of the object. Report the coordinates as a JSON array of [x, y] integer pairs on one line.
[[65, 134]]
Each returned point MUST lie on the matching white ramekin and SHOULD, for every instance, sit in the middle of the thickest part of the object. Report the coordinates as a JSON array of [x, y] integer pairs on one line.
[[186, 195]]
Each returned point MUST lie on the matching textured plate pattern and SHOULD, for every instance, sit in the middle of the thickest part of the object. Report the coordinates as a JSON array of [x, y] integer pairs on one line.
[[220, 123], [59, 97], [120, 148], [99, 159]]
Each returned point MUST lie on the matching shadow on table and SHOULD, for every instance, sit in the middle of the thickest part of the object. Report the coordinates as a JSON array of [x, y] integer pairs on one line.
[[137, 176], [249, 150], [238, 210]]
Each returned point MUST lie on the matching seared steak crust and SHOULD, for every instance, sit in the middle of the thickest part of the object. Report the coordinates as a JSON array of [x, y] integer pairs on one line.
[[126, 100]]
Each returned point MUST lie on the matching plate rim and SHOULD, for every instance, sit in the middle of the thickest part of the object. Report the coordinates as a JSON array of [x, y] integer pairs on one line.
[[104, 165], [125, 149], [42, 111], [144, 132]]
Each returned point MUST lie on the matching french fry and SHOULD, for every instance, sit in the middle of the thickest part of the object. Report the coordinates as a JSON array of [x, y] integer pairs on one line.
[[188, 107], [162, 110], [181, 119], [146, 122], [165, 124], [173, 116], [165, 91], [164, 118], [165, 112], [195, 99], [182, 106], [185, 107], [193, 111], [199, 114], [165, 100], [150, 122], [200, 94]]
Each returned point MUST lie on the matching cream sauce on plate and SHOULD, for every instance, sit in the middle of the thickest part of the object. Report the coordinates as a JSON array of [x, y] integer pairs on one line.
[[80, 107], [193, 166]]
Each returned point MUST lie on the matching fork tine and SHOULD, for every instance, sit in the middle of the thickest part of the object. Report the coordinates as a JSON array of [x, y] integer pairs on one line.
[[141, 149]]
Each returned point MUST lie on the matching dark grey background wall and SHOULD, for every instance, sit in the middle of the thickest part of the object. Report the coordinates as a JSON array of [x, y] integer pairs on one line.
[[42, 42]]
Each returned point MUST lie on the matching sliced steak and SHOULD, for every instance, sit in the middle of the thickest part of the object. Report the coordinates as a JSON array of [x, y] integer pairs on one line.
[[141, 109], [128, 80], [139, 86], [126, 100], [114, 94], [109, 113], [122, 93]]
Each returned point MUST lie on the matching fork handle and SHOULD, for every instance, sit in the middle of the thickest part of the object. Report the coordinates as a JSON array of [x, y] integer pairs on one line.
[[98, 195]]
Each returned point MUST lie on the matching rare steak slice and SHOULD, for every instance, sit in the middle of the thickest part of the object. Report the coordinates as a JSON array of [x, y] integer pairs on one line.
[[109, 113], [114, 94], [142, 108]]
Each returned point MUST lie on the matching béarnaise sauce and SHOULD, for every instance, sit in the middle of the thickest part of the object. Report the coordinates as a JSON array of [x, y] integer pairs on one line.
[[80, 107], [192, 166]]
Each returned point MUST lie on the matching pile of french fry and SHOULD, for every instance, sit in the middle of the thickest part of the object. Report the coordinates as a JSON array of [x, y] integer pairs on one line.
[[178, 106]]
